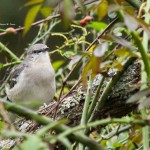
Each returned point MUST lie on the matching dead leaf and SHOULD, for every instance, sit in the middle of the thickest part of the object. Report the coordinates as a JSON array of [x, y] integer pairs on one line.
[[91, 68]]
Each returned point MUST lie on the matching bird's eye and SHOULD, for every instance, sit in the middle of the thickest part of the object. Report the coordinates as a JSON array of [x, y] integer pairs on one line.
[[34, 52], [37, 51]]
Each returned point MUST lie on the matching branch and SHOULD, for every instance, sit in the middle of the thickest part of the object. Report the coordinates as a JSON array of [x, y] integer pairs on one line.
[[94, 42], [10, 64], [33, 24], [11, 54], [42, 120], [106, 122], [45, 20]]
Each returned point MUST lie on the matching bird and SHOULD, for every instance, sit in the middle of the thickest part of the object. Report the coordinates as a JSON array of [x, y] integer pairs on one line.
[[34, 79]]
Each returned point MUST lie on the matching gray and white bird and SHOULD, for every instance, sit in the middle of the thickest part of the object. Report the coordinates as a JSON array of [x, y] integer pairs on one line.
[[34, 78]]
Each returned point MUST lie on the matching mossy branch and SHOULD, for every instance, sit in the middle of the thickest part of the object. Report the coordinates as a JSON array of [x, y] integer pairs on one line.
[[29, 114]]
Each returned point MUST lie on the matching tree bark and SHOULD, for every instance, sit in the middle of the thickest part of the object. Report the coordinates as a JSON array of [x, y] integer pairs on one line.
[[115, 105]]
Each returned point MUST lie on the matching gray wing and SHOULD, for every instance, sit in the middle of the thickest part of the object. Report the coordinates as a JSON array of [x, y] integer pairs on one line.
[[14, 77], [15, 74], [16, 71]]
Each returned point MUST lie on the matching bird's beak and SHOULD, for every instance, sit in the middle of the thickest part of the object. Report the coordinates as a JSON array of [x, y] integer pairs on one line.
[[47, 49]]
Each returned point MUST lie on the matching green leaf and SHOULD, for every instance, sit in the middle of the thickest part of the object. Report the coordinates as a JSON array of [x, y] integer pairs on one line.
[[57, 64], [2, 125], [102, 9], [69, 53], [33, 142], [97, 25], [30, 17], [68, 13], [117, 144], [1, 65]]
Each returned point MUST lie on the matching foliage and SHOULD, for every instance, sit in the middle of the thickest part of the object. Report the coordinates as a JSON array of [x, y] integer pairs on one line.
[[98, 36]]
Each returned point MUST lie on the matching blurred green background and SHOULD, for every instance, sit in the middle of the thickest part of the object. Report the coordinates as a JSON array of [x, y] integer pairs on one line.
[[12, 14]]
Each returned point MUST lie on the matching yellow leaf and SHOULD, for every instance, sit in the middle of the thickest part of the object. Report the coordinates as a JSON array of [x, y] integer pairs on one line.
[[116, 64], [92, 48], [33, 2], [91, 68], [135, 137], [107, 38], [46, 11], [95, 66], [85, 72], [30, 17], [57, 64], [102, 9], [122, 52], [125, 52]]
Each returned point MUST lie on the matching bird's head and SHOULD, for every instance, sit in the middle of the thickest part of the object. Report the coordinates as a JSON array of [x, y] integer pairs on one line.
[[38, 53], [37, 48]]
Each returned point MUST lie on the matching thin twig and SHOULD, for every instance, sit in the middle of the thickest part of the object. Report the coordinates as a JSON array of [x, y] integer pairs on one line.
[[105, 122], [33, 24], [45, 20], [11, 54], [74, 86], [65, 80], [10, 64], [94, 42]]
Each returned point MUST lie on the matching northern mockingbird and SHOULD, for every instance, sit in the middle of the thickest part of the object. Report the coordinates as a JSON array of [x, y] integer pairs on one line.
[[34, 78]]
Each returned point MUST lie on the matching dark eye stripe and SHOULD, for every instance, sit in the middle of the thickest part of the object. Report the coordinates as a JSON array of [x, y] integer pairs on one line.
[[39, 51], [36, 52]]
